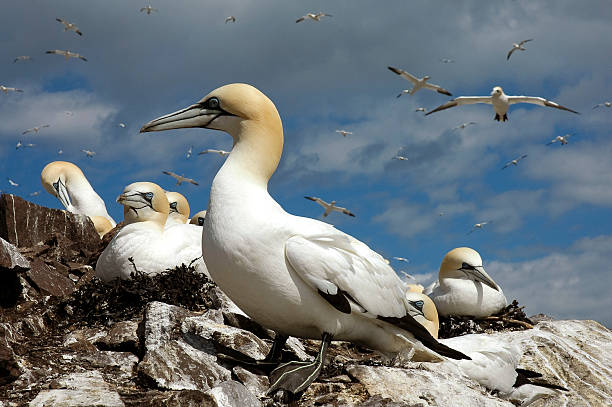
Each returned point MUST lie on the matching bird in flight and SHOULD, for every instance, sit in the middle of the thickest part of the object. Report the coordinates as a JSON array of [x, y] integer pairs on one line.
[[35, 129], [420, 109], [514, 162], [517, 46], [329, 207], [500, 101], [6, 89], [230, 19], [478, 226], [561, 139], [122, 125], [447, 60], [69, 26], [463, 125], [35, 193], [180, 178], [13, 183], [148, 9], [604, 104], [89, 153], [222, 153], [189, 152], [313, 17], [400, 157], [22, 58], [405, 260], [418, 83], [344, 132], [67, 54]]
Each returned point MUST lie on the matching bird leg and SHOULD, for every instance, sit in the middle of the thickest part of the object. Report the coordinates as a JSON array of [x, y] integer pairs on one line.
[[295, 377], [272, 358]]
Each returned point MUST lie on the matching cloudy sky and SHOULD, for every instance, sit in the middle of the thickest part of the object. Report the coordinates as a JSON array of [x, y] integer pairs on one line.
[[550, 237]]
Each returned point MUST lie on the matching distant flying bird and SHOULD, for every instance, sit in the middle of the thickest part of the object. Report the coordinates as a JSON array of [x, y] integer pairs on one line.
[[60, 151], [222, 153], [67, 54], [29, 145], [517, 46], [329, 207], [420, 109], [230, 19], [478, 226], [405, 260], [313, 17], [400, 157], [19, 145], [35, 193], [6, 89], [441, 213], [463, 125], [22, 58], [418, 83], [89, 153], [344, 132], [13, 183], [500, 101], [189, 152], [69, 26], [561, 139], [148, 9], [36, 129], [514, 162], [604, 104], [180, 178], [122, 125], [447, 60], [68, 113]]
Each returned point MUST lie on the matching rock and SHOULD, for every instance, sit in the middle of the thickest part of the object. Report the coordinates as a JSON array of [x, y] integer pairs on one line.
[[122, 362], [25, 224], [10, 368], [230, 394], [50, 281], [10, 257], [123, 336], [257, 384]]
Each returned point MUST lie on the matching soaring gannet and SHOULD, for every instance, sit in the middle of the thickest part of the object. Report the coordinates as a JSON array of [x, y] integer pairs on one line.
[[418, 83], [18, 145], [464, 287], [69, 26], [478, 226], [189, 152], [447, 60], [405, 260], [180, 178], [514, 162], [400, 157], [222, 153], [148, 9], [420, 109], [67, 54], [179, 209], [604, 104], [463, 125], [313, 17], [7, 89], [500, 101], [344, 132], [295, 275], [35, 129], [230, 19], [89, 153], [330, 206], [516, 46], [122, 125], [560, 139], [143, 243], [494, 359], [12, 183], [66, 182], [35, 193], [22, 58], [198, 218]]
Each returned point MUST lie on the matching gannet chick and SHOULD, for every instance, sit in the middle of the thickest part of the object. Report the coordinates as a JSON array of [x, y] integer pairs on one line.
[[22, 58], [463, 125], [144, 240], [330, 207], [418, 83], [12, 183], [67, 54], [89, 153], [35, 129], [344, 132], [560, 139], [179, 209], [66, 182], [516, 46], [604, 104], [478, 226], [230, 19], [69, 26], [313, 17], [464, 287], [295, 275], [198, 218], [148, 9], [7, 89], [222, 153], [500, 101], [514, 162], [180, 178]]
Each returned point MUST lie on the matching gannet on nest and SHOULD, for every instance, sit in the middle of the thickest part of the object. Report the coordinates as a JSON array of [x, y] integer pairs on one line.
[[179, 209]]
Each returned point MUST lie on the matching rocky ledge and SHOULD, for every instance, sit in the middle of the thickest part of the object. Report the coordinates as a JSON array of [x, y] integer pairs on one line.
[[67, 339]]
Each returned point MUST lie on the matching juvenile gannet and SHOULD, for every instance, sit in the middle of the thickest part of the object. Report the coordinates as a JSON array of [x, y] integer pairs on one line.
[[463, 125], [295, 275], [230, 19], [604, 104], [500, 101], [69, 26], [180, 178], [35, 129], [148, 9], [464, 287], [7, 89], [344, 132], [313, 17], [143, 243], [12, 183], [66, 182], [329, 207], [514, 162], [561, 139], [222, 153], [477, 226], [420, 109], [516, 46], [22, 58], [178, 213], [400, 157], [198, 218], [419, 83], [89, 153], [67, 54]]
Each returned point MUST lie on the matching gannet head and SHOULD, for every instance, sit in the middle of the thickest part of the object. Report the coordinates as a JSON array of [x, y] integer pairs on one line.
[[198, 218], [57, 177], [144, 201], [497, 91], [179, 207], [464, 262], [423, 309]]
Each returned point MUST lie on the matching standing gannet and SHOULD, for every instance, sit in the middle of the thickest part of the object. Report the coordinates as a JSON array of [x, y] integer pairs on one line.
[[35, 129], [500, 101], [330, 206], [7, 89], [298, 276], [464, 287], [179, 209], [69, 26], [560, 139], [518, 46], [198, 218], [313, 17], [514, 162], [418, 83], [604, 104], [143, 243], [67, 54], [22, 58], [180, 178], [66, 182]]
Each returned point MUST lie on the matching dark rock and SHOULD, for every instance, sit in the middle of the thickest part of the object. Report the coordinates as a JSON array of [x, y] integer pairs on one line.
[[123, 336], [10, 368], [48, 280]]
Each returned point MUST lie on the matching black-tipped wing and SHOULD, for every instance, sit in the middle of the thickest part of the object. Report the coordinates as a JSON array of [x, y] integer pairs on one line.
[[404, 74], [461, 100], [534, 100]]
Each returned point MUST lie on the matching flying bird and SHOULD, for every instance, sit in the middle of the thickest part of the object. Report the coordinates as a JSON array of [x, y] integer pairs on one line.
[[405, 260], [500, 101], [35, 193], [13, 183], [329, 207], [478, 226], [517, 46], [69, 26], [6, 89], [400, 157], [122, 125], [180, 178], [313, 17], [447, 60], [36, 129], [344, 132], [514, 162], [604, 104], [22, 58], [463, 125], [222, 153], [420, 109], [230, 19], [89, 153], [68, 113], [60, 152], [29, 145], [67, 54], [19, 145], [148, 9], [561, 139], [189, 152], [418, 83]]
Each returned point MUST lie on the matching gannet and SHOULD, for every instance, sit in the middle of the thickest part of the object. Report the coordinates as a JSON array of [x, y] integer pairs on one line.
[[500, 101], [151, 248], [420, 109], [35, 193], [419, 83], [148, 9], [463, 125], [222, 153], [230, 19], [12, 183], [179, 209], [344, 132], [69, 26], [66, 182], [89, 153], [405, 260], [29, 145], [122, 125], [313, 17], [67, 54], [180, 178], [494, 359], [464, 287], [35, 129], [516, 46], [400, 157], [198, 218], [295, 275], [7, 89], [60, 152], [477, 226], [447, 60], [561, 139], [22, 58], [514, 162], [604, 104], [18, 145], [330, 207], [189, 152]]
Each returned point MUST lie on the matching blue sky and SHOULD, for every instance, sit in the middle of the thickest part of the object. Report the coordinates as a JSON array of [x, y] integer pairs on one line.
[[550, 239]]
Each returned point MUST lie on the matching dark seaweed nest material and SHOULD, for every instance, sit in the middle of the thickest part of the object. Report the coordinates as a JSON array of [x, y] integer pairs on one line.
[[511, 318]]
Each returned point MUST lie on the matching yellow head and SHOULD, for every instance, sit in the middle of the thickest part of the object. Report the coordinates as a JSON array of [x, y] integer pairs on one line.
[[497, 91], [462, 263], [179, 207], [143, 202], [198, 218], [423, 309], [57, 177]]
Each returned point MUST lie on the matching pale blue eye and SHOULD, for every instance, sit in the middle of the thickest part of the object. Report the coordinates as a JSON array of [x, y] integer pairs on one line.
[[149, 195], [213, 103]]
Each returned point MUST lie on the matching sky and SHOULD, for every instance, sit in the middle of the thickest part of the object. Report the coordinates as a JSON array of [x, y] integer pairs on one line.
[[549, 237]]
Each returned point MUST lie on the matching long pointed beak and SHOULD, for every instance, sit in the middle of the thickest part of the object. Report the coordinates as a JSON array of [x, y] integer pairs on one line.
[[478, 273], [132, 199], [192, 116], [62, 194]]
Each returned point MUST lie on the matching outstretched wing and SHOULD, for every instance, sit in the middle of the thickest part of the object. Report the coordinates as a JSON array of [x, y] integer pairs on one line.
[[534, 100], [524, 41], [403, 74], [461, 100], [510, 53], [438, 89]]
